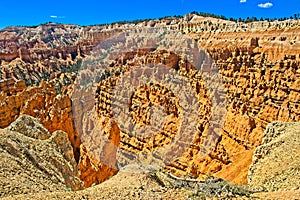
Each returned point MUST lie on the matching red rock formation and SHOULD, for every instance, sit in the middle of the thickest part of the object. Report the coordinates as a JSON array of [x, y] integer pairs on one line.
[[261, 87]]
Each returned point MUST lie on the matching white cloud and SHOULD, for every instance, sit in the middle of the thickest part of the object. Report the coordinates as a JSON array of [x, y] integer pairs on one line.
[[265, 5], [57, 17], [243, 1]]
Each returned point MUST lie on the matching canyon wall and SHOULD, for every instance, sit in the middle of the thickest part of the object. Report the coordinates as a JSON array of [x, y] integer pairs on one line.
[[259, 63]]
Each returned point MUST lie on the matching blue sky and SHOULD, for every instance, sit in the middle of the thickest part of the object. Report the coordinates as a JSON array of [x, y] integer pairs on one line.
[[33, 12]]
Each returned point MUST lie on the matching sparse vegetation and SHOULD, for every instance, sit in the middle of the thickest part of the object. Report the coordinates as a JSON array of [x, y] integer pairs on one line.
[[296, 16], [221, 189], [247, 19], [73, 67], [209, 188], [203, 14]]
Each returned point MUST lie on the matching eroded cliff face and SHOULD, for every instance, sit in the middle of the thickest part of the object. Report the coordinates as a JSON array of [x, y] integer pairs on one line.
[[262, 83], [144, 99], [41, 101], [260, 69], [259, 63], [38, 53]]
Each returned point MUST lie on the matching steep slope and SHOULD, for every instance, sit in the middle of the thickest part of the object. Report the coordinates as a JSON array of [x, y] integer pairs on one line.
[[275, 164], [137, 182], [32, 160]]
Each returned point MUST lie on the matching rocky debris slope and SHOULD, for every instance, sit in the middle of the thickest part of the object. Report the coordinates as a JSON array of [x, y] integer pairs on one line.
[[276, 162], [32, 160], [130, 184], [145, 182]]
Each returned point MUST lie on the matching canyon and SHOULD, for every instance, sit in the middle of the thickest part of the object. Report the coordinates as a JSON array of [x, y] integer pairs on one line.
[[258, 62]]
